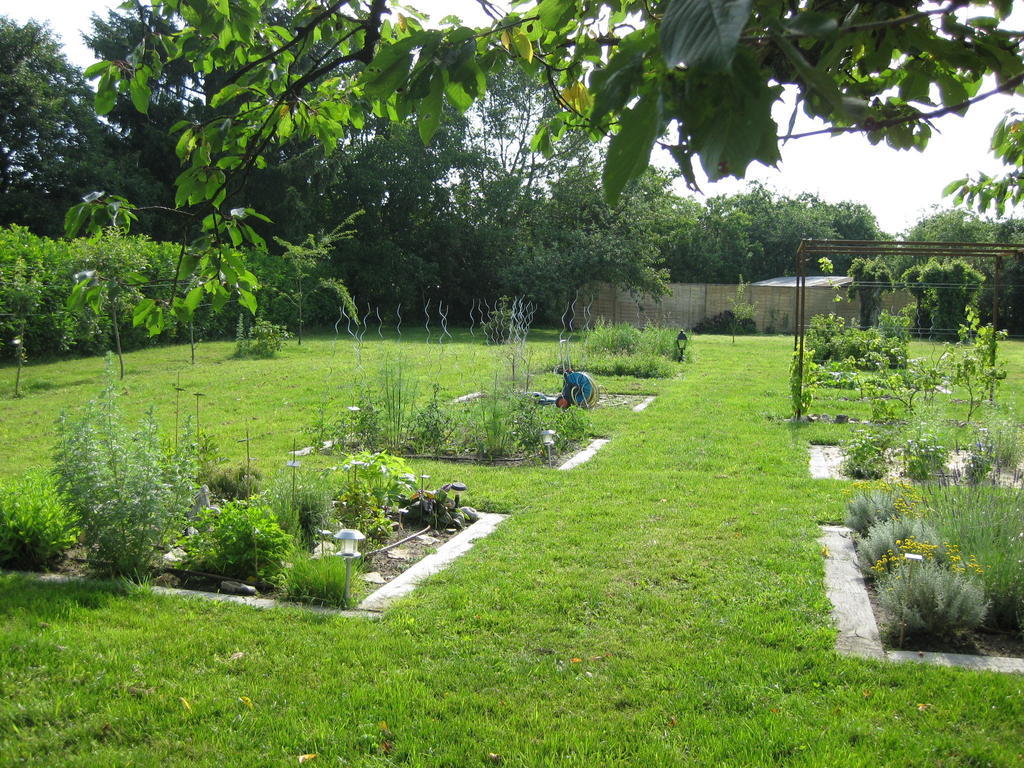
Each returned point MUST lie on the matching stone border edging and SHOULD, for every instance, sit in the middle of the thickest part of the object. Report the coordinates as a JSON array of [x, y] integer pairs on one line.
[[643, 404], [369, 608], [858, 631], [407, 580], [586, 454]]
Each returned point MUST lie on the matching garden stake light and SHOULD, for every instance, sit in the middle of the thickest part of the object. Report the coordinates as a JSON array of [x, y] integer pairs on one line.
[[547, 437], [458, 489], [349, 539], [19, 354]]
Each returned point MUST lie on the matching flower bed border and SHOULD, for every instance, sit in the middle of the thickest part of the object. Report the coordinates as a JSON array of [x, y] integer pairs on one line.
[[371, 606], [858, 631]]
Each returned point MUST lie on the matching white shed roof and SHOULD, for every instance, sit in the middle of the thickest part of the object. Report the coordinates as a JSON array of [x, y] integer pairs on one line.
[[813, 281]]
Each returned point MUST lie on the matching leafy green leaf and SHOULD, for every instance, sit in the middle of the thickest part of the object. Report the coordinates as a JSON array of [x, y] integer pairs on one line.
[[106, 96], [630, 149], [428, 116], [141, 93], [142, 311], [193, 298], [247, 300], [703, 32], [555, 14], [813, 24]]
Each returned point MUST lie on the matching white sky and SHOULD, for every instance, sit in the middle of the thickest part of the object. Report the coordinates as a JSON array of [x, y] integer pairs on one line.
[[898, 186]]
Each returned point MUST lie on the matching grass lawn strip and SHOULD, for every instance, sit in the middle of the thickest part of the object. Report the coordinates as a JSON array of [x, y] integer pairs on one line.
[[662, 605]]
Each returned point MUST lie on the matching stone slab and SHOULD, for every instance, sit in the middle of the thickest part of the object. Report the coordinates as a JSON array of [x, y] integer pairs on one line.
[[406, 581], [467, 398], [826, 462], [585, 455], [844, 584], [643, 404]]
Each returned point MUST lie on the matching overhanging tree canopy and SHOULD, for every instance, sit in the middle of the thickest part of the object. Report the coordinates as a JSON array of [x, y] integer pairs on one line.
[[699, 77]]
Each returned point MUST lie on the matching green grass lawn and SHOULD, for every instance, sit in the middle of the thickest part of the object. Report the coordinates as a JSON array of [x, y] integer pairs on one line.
[[661, 605]]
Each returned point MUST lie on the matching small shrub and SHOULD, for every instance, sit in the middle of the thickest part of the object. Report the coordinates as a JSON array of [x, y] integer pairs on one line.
[[923, 598], [924, 456], [865, 454], [985, 521], [387, 478], [886, 542], [320, 580], [434, 426], [491, 424], [868, 508], [228, 483], [239, 541], [726, 323], [980, 461], [35, 525], [129, 492], [640, 366], [573, 426], [497, 327], [359, 426], [264, 339], [357, 508], [301, 503], [1002, 433]]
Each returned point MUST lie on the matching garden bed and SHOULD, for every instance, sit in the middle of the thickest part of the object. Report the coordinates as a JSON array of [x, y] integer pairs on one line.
[[825, 462], [857, 616], [379, 579]]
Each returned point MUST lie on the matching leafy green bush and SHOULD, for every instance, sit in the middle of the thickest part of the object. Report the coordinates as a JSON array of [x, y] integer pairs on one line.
[[130, 493], [435, 426], [868, 508], [491, 424], [264, 339], [623, 339], [387, 478], [924, 456], [358, 508], [987, 523], [1002, 433], [239, 540], [886, 542], [497, 327], [640, 366], [301, 502], [238, 482], [925, 598], [35, 524], [865, 454], [833, 340], [318, 580], [573, 426]]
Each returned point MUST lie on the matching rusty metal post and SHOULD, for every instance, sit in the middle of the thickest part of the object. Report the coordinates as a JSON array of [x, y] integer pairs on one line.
[[801, 294]]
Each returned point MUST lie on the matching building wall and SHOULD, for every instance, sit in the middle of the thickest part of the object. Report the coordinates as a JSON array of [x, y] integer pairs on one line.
[[689, 303]]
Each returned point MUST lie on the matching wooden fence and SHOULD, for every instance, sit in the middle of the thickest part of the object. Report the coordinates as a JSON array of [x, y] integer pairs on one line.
[[689, 303]]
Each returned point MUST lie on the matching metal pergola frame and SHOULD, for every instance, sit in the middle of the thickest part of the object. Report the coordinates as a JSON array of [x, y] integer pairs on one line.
[[918, 249]]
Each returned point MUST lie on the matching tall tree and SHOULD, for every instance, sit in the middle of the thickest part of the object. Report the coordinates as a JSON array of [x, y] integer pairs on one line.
[[52, 149], [705, 73]]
